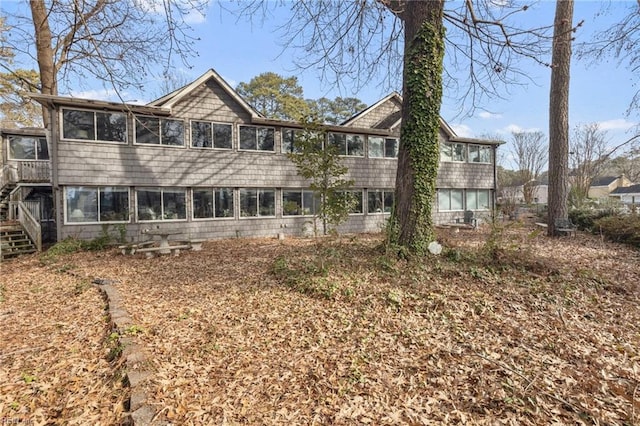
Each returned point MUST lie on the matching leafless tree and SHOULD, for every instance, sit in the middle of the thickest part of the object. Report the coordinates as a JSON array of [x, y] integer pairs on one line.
[[559, 114], [530, 152], [113, 41], [356, 42], [587, 157]]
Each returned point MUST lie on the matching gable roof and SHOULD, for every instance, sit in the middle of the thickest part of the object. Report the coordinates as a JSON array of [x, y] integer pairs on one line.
[[172, 98], [604, 180], [633, 189], [394, 119]]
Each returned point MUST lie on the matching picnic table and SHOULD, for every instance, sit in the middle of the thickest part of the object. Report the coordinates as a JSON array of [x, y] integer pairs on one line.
[[164, 234]]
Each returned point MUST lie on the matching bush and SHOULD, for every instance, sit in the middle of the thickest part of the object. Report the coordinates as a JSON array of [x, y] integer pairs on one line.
[[585, 218], [624, 229]]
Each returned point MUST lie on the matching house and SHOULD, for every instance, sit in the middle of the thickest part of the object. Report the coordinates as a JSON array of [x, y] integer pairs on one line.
[[515, 194], [602, 186], [202, 162], [629, 195]]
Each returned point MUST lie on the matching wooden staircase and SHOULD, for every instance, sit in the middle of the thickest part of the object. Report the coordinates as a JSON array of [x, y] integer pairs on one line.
[[4, 200], [14, 241]]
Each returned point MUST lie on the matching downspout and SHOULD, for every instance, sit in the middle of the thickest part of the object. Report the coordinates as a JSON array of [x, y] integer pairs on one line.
[[52, 136]]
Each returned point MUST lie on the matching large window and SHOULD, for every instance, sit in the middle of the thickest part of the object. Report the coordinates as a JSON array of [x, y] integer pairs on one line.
[[94, 125], [28, 148], [161, 204], [380, 147], [352, 145], [212, 203], [205, 134], [379, 200], [479, 154], [299, 202], [450, 200], [96, 204], [159, 131], [354, 198], [453, 152], [257, 202], [478, 199], [253, 138]]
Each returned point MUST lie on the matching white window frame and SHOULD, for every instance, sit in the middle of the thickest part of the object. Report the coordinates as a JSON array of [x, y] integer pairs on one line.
[[98, 221], [36, 140], [160, 133], [255, 149], [162, 213], [302, 192], [95, 126], [214, 191], [213, 139], [258, 192], [463, 199], [480, 148], [345, 153], [384, 192]]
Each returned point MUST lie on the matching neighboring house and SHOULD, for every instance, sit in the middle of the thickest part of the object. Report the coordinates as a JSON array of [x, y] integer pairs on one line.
[[515, 194], [202, 162], [628, 194], [602, 186]]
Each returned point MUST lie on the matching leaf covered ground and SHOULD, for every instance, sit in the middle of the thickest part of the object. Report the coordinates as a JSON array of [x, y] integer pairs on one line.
[[503, 328]]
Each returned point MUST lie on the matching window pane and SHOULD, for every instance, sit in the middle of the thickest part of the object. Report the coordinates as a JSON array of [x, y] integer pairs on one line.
[[201, 134], [22, 148], [445, 152], [112, 126], [339, 141], [247, 137], [456, 199], [376, 146], [222, 136], [472, 199], [114, 204], [248, 203], [357, 205], [174, 205], [224, 202], [149, 204], [388, 201], [42, 149], [202, 203], [78, 124], [458, 151], [172, 132], [355, 145], [291, 203], [375, 202], [444, 201], [265, 139], [483, 199], [485, 154], [288, 140], [310, 203], [82, 204], [147, 130], [267, 199], [474, 154], [391, 148]]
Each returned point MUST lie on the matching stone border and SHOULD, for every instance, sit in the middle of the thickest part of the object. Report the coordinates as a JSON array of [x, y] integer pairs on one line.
[[135, 358]]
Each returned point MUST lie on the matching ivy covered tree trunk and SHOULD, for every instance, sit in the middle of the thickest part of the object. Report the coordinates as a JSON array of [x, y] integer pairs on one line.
[[412, 222]]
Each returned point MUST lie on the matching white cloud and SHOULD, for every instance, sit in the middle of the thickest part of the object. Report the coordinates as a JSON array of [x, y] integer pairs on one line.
[[616, 124], [514, 128], [489, 115], [94, 94], [462, 130]]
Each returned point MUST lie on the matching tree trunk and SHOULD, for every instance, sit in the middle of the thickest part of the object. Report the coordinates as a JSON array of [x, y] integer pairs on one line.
[[418, 158], [559, 114], [44, 52]]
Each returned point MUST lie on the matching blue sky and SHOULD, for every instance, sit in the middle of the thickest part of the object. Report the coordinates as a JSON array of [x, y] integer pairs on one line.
[[240, 50]]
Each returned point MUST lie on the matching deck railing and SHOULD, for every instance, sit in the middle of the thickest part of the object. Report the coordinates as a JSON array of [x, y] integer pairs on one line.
[[34, 171], [20, 211], [8, 175]]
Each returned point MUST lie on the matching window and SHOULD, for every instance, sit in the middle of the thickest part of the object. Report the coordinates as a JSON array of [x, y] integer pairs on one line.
[[453, 152], [299, 202], [379, 200], [450, 199], [96, 204], [354, 198], [352, 145], [94, 125], [477, 199], [161, 204], [292, 139], [257, 202], [211, 135], [254, 138], [157, 131], [380, 147], [212, 203], [479, 154], [28, 148]]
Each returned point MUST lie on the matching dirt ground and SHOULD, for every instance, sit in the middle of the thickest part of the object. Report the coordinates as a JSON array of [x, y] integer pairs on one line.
[[513, 328]]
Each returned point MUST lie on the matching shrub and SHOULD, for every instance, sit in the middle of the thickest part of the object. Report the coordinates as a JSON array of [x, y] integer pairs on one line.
[[624, 229], [585, 218]]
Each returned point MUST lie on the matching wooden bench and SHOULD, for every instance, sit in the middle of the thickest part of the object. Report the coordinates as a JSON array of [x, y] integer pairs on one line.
[[565, 226], [149, 252], [132, 248]]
